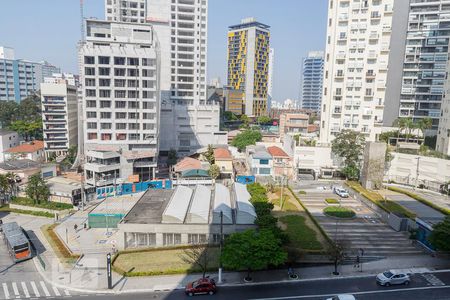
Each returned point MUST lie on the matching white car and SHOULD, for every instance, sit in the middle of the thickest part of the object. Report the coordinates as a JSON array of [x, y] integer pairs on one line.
[[341, 192], [343, 297], [392, 277]]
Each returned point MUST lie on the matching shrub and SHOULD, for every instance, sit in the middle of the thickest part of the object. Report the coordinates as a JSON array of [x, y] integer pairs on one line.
[[302, 192], [44, 204], [339, 212], [257, 192], [28, 212], [331, 201]]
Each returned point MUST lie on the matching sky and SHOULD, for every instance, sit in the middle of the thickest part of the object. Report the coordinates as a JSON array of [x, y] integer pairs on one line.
[[50, 29]]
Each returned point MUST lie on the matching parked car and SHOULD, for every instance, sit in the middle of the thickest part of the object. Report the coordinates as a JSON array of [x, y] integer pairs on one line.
[[343, 297], [201, 286], [341, 192], [392, 277]]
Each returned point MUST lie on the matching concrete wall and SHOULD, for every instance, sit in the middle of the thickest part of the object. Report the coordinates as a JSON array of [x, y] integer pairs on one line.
[[373, 166], [403, 169]]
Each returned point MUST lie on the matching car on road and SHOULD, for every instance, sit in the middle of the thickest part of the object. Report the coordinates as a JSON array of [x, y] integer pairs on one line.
[[204, 286], [341, 192], [343, 297], [392, 277]]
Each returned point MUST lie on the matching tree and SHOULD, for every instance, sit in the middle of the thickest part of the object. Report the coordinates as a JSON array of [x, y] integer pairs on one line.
[[12, 182], [424, 124], [4, 187], [230, 116], [214, 171], [8, 112], [337, 255], [245, 120], [257, 192], [248, 137], [440, 236], [172, 157], [349, 145], [27, 129], [37, 189], [209, 154], [252, 250], [198, 255], [264, 119]]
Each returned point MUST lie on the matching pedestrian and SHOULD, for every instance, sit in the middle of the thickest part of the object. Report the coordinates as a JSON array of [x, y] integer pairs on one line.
[[75, 227]]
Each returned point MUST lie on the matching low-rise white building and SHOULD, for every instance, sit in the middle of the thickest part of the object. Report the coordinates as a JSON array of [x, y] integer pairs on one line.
[[186, 216], [259, 160], [8, 139], [33, 150]]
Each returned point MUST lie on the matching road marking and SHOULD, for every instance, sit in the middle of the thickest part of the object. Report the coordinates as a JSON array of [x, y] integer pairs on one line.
[[432, 279], [55, 290], [357, 293], [44, 288], [15, 289], [25, 289], [5, 290], [66, 292], [35, 289]]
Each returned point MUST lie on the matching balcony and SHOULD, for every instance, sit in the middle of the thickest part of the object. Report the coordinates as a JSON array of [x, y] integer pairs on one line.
[[100, 168], [375, 15], [370, 75]]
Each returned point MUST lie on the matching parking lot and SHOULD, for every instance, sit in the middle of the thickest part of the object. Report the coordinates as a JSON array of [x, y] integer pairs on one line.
[[365, 231]]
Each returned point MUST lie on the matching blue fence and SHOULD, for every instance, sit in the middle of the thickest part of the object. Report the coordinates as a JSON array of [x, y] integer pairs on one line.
[[130, 188], [245, 179]]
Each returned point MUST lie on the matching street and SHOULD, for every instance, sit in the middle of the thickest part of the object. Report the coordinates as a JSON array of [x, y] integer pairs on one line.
[[423, 286]]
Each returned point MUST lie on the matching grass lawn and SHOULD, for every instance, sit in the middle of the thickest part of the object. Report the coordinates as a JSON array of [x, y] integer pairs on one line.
[[397, 208], [287, 204], [45, 204], [159, 262], [339, 212], [300, 235], [26, 212]]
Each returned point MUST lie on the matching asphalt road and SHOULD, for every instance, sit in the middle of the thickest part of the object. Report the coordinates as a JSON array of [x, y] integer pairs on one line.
[[427, 287]]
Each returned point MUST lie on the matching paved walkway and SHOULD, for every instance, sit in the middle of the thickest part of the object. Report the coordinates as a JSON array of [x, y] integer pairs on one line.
[[436, 198]]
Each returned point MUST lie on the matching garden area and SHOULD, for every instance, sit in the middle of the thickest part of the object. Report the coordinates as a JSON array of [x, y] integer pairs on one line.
[[377, 199], [43, 204]]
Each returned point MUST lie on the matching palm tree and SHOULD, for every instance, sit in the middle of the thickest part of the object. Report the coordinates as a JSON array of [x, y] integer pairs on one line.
[[424, 124], [409, 125], [4, 185], [401, 124]]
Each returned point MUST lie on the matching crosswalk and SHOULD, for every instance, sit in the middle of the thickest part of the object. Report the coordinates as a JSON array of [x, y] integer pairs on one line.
[[31, 289], [433, 280]]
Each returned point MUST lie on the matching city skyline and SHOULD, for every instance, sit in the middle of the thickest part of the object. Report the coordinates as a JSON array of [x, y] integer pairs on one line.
[[288, 38]]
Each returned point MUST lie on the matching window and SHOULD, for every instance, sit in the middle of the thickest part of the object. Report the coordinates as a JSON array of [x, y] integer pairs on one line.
[[92, 135], [90, 82], [121, 115], [133, 72], [121, 136], [133, 126], [91, 103], [105, 115], [119, 82], [89, 71], [148, 116], [133, 115], [121, 126], [196, 238], [103, 71], [134, 136], [105, 93], [120, 104], [89, 60], [133, 104], [148, 62], [119, 60], [263, 161], [103, 60], [171, 239], [149, 126], [148, 105], [133, 61], [91, 114], [106, 136], [104, 82], [264, 171], [119, 72], [91, 125], [105, 125]]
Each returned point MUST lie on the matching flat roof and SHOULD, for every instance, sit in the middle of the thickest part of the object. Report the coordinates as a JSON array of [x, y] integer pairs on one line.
[[149, 208], [19, 164], [6, 131], [248, 25]]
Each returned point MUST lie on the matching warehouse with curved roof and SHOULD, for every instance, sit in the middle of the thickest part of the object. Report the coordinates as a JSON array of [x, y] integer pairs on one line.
[[176, 210], [222, 203], [199, 210], [245, 212]]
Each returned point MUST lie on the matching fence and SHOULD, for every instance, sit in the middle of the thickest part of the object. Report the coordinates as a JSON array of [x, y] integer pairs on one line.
[[130, 188]]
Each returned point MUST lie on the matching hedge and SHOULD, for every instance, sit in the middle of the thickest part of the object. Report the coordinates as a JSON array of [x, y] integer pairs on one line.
[[330, 241], [60, 246], [301, 192], [331, 201], [339, 212], [45, 204], [443, 210], [27, 212], [386, 205]]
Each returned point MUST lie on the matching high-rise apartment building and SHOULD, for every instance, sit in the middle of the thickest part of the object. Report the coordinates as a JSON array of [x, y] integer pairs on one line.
[[270, 78], [119, 75], [20, 78], [59, 100], [356, 65], [248, 64], [425, 60], [180, 27], [312, 81], [131, 11]]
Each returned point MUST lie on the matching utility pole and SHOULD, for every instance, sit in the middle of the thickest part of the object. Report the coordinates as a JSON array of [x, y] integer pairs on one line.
[[221, 246], [417, 172], [281, 198]]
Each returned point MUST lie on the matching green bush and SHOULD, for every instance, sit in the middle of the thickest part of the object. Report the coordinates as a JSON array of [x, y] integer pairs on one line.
[[27, 212], [47, 204], [420, 199], [339, 212], [331, 201], [257, 192], [302, 192]]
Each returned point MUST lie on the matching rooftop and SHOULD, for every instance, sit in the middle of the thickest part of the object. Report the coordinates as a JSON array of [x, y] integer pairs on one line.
[[277, 151], [222, 153], [27, 148], [149, 208], [247, 23], [188, 163], [6, 131], [20, 164]]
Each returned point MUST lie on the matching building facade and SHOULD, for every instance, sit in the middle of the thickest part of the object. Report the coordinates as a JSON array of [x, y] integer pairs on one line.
[[120, 101], [425, 60], [21, 78], [59, 98], [292, 123], [443, 133], [8, 139], [248, 64], [312, 81], [270, 78], [234, 100], [180, 29], [356, 67]]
